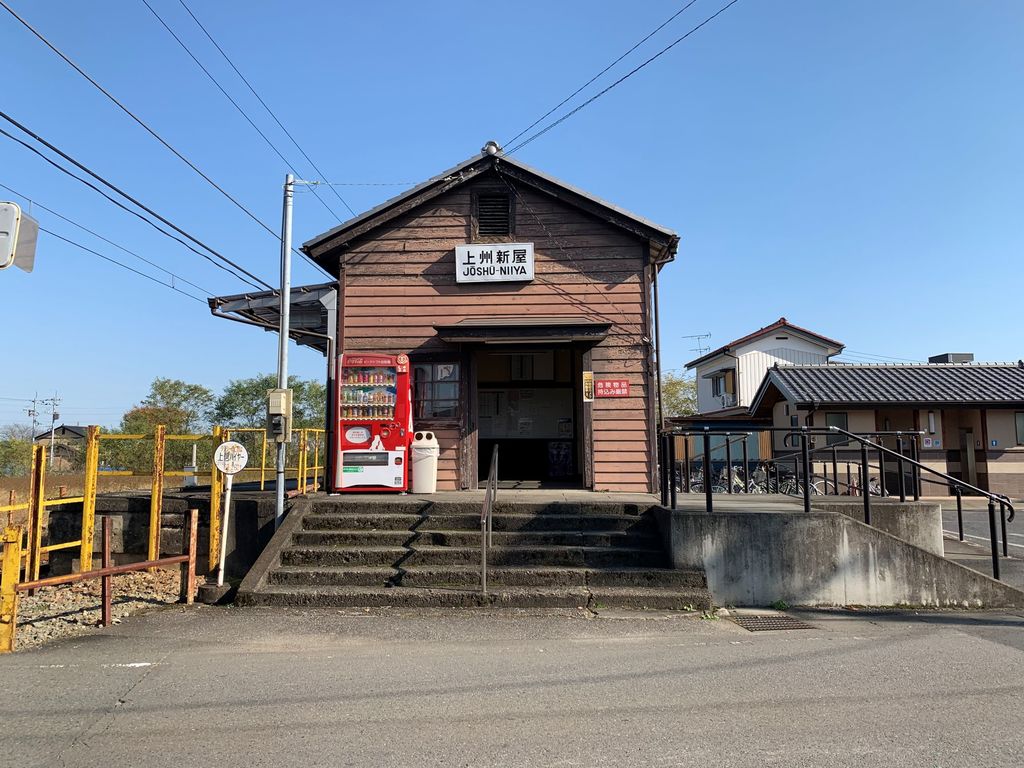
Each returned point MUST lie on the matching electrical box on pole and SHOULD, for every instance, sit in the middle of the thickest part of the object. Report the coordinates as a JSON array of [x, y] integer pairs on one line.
[[279, 415], [18, 235]]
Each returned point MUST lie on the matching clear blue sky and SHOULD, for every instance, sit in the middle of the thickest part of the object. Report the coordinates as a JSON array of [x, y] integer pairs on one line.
[[855, 166]]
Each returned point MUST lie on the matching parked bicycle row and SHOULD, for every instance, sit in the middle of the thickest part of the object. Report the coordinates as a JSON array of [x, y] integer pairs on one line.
[[765, 479]]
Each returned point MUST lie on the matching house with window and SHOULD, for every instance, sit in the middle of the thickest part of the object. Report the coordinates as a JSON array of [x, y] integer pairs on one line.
[[971, 414], [728, 377]]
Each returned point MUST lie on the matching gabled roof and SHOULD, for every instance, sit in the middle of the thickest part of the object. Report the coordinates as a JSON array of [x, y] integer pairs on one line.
[[64, 430], [924, 384], [780, 324], [663, 241]]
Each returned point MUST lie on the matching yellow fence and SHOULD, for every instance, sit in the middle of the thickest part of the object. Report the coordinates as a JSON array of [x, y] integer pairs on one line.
[[309, 450]]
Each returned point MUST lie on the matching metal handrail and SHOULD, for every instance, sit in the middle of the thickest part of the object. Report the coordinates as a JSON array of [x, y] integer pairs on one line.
[[803, 469], [487, 518], [953, 482]]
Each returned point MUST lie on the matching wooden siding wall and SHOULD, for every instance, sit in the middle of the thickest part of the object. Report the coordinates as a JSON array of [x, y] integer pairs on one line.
[[400, 281]]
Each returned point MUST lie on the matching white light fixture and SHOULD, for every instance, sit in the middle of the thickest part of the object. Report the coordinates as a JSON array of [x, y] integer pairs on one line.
[[931, 422]]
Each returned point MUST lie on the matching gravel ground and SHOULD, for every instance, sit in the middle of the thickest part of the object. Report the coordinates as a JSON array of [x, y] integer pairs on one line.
[[74, 609]]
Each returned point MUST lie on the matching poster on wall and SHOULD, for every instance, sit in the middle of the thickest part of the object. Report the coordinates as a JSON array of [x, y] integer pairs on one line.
[[611, 388], [538, 414], [588, 386]]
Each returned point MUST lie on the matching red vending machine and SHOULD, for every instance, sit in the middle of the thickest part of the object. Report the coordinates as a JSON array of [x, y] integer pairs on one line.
[[373, 419]]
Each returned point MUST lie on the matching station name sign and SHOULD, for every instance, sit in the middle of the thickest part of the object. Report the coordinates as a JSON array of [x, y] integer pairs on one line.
[[494, 262]]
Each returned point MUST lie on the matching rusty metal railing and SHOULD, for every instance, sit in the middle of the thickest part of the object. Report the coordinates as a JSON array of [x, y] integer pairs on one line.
[[10, 585], [308, 471], [487, 518]]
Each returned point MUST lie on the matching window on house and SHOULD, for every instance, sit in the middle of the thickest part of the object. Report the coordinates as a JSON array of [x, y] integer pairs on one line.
[[723, 383], [1020, 428], [436, 391], [839, 420], [493, 214]]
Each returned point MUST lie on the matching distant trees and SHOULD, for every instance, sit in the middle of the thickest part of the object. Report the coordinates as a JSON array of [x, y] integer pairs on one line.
[[243, 402], [15, 449], [678, 395]]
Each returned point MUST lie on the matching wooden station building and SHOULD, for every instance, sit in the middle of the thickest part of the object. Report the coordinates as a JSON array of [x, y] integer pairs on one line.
[[528, 310]]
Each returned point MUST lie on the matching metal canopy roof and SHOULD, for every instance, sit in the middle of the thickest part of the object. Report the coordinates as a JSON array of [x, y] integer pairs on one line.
[[312, 311]]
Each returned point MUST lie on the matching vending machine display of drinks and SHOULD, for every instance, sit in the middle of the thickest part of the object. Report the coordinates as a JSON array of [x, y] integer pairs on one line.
[[373, 419]]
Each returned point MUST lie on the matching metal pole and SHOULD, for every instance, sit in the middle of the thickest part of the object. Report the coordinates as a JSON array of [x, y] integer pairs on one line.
[[107, 582], [672, 470], [686, 463], [805, 456], [881, 473], [849, 481], [992, 537], [708, 501], [282, 342], [865, 483], [901, 479], [728, 463], [663, 460], [1002, 517], [224, 532], [746, 466], [960, 512], [915, 471], [835, 469]]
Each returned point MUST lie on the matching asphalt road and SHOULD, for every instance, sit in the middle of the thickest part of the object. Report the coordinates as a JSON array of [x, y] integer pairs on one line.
[[217, 687]]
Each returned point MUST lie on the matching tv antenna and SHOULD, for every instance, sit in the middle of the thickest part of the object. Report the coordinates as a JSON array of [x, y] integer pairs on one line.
[[701, 348]]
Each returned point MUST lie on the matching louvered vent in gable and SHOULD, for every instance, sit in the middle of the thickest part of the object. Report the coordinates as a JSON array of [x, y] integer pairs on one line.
[[494, 215]]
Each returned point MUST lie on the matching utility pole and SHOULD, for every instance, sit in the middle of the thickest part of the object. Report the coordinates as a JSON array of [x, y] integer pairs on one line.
[[33, 413], [282, 348], [53, 402]]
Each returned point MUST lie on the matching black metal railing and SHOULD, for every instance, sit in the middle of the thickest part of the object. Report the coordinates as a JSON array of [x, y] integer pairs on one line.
[[487, 518], [801, 482]]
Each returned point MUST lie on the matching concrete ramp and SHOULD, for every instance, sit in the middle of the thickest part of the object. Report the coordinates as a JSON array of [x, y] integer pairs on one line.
[[819, 559]]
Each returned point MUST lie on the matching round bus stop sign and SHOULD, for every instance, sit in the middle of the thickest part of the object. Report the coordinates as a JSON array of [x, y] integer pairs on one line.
[[230, 457]]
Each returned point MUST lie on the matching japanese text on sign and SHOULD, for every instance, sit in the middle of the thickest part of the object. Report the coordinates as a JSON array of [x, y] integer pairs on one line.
[[493, 262], [611, 388], [230, 457]]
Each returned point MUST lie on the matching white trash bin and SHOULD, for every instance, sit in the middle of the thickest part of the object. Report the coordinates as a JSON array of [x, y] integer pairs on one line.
[[425, 452]]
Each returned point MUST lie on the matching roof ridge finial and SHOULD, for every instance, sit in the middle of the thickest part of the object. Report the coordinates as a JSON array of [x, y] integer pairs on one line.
[[491, 148]]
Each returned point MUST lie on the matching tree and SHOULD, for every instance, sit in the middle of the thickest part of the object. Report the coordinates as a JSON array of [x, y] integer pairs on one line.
[[243, 402], [678, 395], [15, 449], [190, 405]]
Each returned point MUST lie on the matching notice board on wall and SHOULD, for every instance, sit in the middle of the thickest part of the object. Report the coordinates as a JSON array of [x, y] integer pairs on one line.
[[529, 414]]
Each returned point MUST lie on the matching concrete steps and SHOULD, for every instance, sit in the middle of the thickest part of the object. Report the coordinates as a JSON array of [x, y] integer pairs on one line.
[[421, 554]]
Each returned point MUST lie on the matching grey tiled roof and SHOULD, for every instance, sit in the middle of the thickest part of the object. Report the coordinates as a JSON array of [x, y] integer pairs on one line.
[[953, 384]]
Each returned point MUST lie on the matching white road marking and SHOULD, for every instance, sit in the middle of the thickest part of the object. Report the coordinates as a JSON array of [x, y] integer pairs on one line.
[[981, 538]]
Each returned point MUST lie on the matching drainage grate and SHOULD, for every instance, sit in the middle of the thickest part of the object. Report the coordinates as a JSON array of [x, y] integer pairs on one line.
[[769, 623]]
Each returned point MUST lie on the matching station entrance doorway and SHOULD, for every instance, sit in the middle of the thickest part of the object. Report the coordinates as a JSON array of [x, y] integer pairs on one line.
[[528, 403]]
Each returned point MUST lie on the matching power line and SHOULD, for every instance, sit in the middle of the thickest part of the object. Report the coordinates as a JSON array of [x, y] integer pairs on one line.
[[121, 264], [137, 119], [234, 103], [568, 98], [125, 195], [82, 227], [259, 98], [622, 79]]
